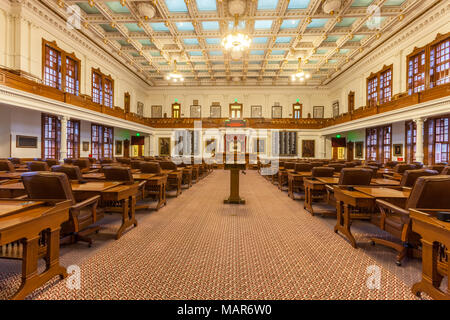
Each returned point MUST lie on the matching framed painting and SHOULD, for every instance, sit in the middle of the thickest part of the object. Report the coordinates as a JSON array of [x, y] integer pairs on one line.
[[156, 111], [164, 146], [26, 142], [359, 147], [119, 144], [215, 111], [277, 112], [196, 111], [308, 148], [85, 146], [318, 112], [397, 150], [256, 111], [335, 109]]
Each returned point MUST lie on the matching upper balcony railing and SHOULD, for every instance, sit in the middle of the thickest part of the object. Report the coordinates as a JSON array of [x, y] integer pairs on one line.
[[21, 81]]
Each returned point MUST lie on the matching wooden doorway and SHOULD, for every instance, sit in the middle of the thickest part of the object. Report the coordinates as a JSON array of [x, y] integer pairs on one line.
[[350, 151], [236, 110], [127, 102], [176, 110], [126, 148], [351, 101], [297, 111]]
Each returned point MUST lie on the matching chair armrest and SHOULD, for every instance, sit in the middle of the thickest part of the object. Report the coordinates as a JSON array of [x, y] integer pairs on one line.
[[86, 203], [391, 207], [142, 184]]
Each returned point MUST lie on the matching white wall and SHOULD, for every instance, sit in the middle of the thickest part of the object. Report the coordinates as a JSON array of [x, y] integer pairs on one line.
[[27, 123], [248, 96], [5, 131]]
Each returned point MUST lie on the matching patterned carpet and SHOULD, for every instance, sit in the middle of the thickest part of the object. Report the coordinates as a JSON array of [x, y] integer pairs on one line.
[[199, 248]]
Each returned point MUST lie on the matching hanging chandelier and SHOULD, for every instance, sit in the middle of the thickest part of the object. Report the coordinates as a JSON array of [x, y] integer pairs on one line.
[[236, 41], [300, 74], [175, 76]]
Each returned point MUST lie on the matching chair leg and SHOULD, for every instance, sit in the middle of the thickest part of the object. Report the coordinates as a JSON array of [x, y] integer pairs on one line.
[[402, 249]]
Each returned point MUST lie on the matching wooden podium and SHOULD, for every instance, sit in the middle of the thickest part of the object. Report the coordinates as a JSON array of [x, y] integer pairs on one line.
[[234, 183]]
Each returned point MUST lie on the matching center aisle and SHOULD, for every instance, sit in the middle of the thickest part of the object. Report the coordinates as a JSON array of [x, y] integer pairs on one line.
[[199, 248]]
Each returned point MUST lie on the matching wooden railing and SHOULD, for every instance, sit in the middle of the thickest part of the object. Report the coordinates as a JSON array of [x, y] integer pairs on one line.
[[19, 80]]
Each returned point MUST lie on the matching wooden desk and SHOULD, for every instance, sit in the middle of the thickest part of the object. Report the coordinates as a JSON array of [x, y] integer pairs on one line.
[[10, 175], [314, 189], [385, 182], [295, 181], [11, 190], [187, 175], [94, 176], [346, 202], [101, 176], [25, 221], [328, 180], [361, 197], [282, 179], [435, 262], [126, 195]]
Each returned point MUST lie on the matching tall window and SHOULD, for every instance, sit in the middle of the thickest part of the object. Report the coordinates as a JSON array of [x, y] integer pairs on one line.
[[60, 70], [52, 67], [429, 66], [102, 88], [351, 101], [440, 63], [371, 144], [51, 136], [386, 86], [416, 73], [297, 111], [441, 140], [411, 134], [386, 133], [101, 141], [372, 92], [379, 87], [73, 139]]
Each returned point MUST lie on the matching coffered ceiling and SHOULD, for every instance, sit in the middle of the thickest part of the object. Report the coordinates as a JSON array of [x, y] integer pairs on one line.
[[191, 31]]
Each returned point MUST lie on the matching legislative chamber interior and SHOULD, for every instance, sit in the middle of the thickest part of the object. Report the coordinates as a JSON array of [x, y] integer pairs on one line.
[[224, 150]]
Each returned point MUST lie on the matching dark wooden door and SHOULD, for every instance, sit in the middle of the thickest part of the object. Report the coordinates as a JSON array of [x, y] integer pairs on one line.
[[127, 102], [350, 148], [126, 148]]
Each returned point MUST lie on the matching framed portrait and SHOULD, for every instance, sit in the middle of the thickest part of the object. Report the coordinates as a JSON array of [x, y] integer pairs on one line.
[[156, 111], [140, 109], [277, 112], [318, 112], [215, 111], [335, 109], [359, 147], [119, 144], [397, 150], [164, 146], [26, 142], [85, 146], [256, 111], [308, 148], [196, 111]]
